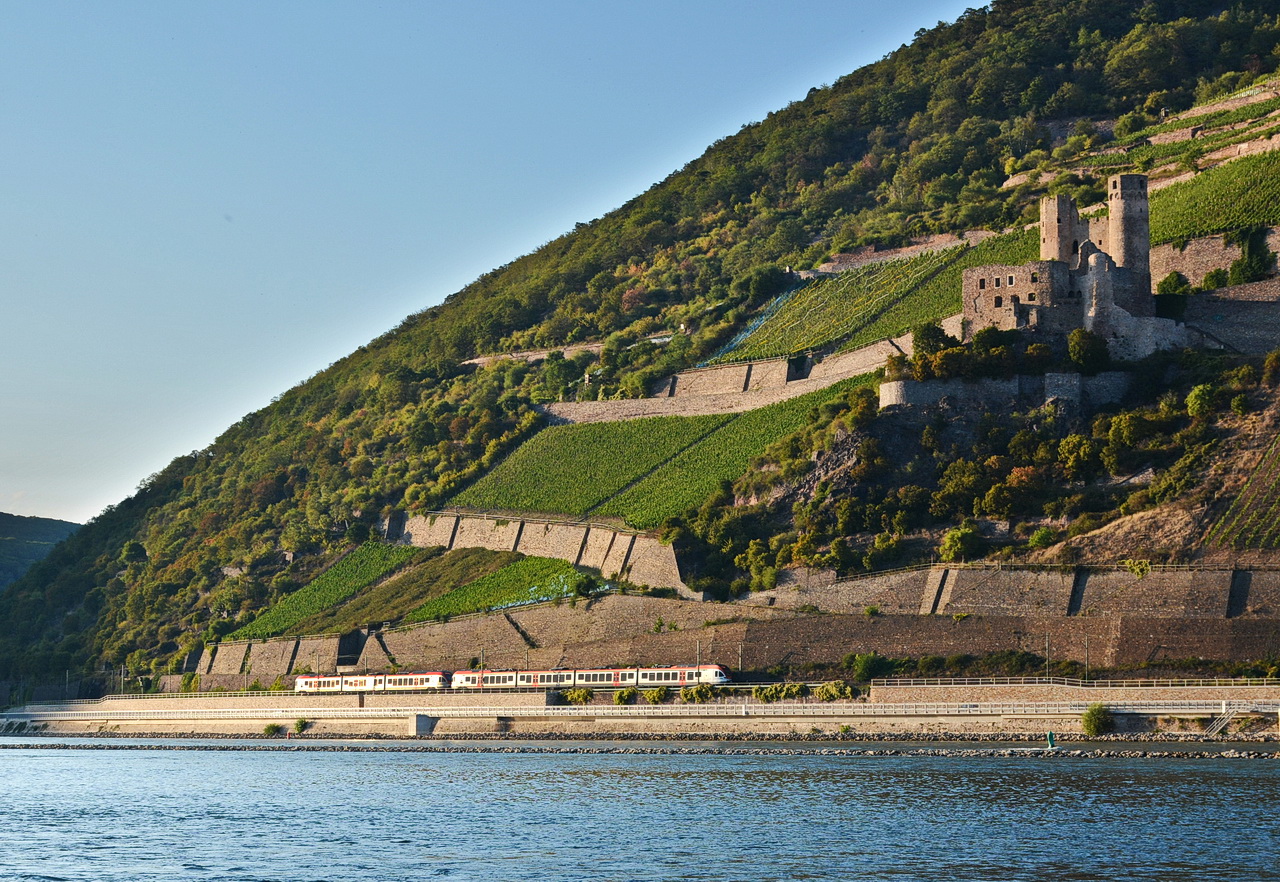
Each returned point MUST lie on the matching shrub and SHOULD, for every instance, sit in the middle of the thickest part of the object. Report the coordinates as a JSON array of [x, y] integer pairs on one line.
[[656, 695], [1097, 720], [1042, 538], [626, 695], [1200, 401], [300, 726], [780, 692], [834, 690], [865, 666], [273, 730], [698, 694], [578, 695]]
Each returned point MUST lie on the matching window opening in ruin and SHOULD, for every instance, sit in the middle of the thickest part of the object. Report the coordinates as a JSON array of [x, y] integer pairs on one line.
[[1035, 277], [1075, 246], [1031, 298], [982, 284], [1010, 281], [999, 302], [997, 281]]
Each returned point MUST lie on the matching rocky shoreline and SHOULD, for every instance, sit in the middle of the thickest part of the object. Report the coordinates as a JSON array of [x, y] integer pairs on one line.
[[604, 750]]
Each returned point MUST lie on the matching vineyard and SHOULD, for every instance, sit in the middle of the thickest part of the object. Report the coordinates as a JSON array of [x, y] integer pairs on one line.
[[939, 297], [833, 308], [531, 580], [693, 475], [1240, 194], [360, 568], [572, 469], [407, 589], [1253, 520]]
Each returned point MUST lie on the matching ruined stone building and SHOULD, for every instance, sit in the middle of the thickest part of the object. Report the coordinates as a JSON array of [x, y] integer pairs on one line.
[[1093, 273]]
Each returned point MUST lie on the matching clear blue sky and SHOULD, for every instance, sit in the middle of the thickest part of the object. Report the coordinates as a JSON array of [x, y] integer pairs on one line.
[[202, 204]]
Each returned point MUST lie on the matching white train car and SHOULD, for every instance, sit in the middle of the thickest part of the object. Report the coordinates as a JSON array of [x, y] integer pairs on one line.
[[601, 678], [403, 682]]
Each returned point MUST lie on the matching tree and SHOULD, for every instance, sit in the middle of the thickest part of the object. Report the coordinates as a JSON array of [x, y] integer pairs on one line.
[[1200, 401], [960, 544], [1087, 351]]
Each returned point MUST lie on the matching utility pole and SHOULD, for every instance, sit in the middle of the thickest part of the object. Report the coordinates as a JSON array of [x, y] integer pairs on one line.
[[1086, 656], [1046, 656]]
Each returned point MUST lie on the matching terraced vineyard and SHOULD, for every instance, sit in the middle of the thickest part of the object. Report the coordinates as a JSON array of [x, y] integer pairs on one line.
[[831, 309], [573, 469], [362, 567], [532, 580], [939, 297], [1240, 194], [1253, 521], [694, 474]]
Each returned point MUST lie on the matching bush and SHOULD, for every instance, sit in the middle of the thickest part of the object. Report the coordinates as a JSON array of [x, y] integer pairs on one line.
[[273, 730], [780, 692], [865, 666], [300, 726], [698, 694], [578, 695], [834, 690], [1097, 720], [656, 695], [1042, 538]]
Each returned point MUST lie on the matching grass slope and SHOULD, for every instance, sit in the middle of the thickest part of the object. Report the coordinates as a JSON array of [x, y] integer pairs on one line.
[[393, 599], [689, 478], [572, 469], [362, 567], [531, 580]]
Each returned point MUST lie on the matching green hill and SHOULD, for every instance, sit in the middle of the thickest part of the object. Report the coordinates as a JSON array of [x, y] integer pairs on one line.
[[25, 540], [919, 142]]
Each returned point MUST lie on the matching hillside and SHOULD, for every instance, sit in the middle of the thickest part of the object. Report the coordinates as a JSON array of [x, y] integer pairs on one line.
[[921, 142], [25, 540]]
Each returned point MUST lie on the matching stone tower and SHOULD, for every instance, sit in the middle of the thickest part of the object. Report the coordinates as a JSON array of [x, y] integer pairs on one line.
[[1129, 227], [1060, 230]]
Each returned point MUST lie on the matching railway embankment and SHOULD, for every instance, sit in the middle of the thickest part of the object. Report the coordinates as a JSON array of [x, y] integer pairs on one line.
[[979, 708]]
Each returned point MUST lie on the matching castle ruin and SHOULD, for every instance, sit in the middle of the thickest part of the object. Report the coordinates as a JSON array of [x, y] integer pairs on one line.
[[1093, 273]]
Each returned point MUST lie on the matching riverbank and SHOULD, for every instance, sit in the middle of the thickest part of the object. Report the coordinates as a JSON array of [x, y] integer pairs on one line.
[[606, 750]]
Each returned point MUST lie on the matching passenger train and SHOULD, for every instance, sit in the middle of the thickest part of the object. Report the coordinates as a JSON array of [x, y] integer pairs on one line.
[[601, 678]]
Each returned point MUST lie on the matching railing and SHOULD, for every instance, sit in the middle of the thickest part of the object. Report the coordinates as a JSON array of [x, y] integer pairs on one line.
[[1067, 681], [776, 710]]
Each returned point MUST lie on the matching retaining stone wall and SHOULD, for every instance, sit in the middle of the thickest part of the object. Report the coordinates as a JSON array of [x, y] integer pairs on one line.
[[269, 659], [228, 658], [1199, 257], [1029, 693], [319, 654]]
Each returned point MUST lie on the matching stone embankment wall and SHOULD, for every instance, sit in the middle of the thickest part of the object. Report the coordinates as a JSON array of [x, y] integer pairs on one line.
[[638, 558], [1105, 388], [720, 389], [1245, 318], [1199, 257], [1018, 693]]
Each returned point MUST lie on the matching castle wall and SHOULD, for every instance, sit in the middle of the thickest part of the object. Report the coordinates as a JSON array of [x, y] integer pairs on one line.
[[1105, 388], [1010, 297], [1245, 318]]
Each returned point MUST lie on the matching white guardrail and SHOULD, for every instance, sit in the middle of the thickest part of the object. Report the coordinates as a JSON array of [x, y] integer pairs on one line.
[[779, 709]]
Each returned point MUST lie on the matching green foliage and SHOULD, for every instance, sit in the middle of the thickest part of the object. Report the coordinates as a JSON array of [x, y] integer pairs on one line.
[[273, 730], [625, 695], [25, 540], [656, 695], [1097, 720], [1201, 400], [1087, 351], [1139, 568], [360, 568], [779, 692], [835, 690], [578, 695], [961, 544], [1253, 518], [1043, 537], [867, 666], [699, 693], [301, 725], [531, 580]]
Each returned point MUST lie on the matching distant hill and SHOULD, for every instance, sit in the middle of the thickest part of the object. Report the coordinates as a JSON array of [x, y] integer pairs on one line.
[[23, 541]]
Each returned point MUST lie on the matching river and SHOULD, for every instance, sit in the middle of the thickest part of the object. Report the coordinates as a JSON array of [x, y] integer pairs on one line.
[[163, 814]]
